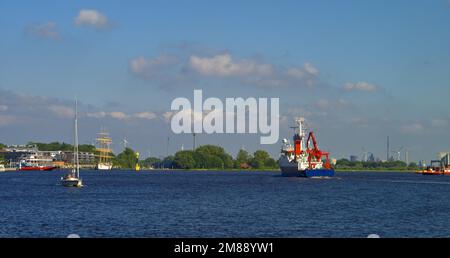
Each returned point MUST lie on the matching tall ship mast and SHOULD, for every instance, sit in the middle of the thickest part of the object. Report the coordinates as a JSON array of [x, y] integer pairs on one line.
[[304, 159], [104, 150]]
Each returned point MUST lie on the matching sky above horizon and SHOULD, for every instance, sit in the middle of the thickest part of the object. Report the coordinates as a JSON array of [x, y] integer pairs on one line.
[[359, 71]]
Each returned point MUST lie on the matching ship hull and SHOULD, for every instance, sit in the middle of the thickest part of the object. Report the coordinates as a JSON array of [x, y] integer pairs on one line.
[[103, 167], [43, 168], [432, 173], [294, 172]]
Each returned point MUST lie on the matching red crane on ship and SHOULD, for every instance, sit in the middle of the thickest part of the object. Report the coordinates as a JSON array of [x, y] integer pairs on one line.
[[315, 152]]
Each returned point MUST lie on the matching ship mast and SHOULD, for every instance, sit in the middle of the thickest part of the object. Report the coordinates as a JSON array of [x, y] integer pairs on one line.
[[299, 135], [104, 147]]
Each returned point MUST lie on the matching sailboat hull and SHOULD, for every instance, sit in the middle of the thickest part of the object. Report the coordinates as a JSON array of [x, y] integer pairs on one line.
[[72, 182]]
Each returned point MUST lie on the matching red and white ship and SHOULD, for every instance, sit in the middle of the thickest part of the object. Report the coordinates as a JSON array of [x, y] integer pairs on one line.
[[304, 159], [35, 167]]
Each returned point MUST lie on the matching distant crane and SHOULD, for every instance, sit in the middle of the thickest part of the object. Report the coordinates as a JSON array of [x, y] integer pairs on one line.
[[363, 154]]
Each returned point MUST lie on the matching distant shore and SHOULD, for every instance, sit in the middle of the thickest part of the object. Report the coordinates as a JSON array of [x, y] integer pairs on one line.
[[239, 170], [375, 170], [278, 170]]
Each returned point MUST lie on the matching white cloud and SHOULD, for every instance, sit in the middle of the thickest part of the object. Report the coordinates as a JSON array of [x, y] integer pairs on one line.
[[151, 68], [360, 86], [145, 115], [255, 73], [92, 18], [62, 111], [172, 69], [296, 72], [118, 115], [45, 30], [100, 114], [303, 72], [138, 65], [223, 65], [311, 69], [412, 128], [3, 108]]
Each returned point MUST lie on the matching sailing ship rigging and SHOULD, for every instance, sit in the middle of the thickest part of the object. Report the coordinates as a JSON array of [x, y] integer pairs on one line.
[[104, 151]]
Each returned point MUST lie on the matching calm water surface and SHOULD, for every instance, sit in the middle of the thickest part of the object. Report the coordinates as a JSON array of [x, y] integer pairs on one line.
[[224, 204]]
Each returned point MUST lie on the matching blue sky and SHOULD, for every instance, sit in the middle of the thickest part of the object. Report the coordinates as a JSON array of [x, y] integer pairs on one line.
[[358, 70]]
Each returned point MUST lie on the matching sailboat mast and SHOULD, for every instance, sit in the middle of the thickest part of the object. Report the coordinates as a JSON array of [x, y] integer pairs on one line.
[[76, 139]]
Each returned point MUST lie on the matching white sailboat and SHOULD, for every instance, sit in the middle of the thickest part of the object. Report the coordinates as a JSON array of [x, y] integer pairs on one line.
[[73, 177]]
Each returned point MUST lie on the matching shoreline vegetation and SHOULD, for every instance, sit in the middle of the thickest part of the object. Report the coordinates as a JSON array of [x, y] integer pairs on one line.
[[215, 158], [270, 170]]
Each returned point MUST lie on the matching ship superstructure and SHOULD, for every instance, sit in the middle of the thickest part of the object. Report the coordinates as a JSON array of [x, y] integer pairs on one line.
[[304, 159]]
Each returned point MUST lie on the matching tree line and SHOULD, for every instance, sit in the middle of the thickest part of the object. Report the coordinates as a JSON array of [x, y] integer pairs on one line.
[[203, 157], [213, 157], [375, 165], [57, 146]]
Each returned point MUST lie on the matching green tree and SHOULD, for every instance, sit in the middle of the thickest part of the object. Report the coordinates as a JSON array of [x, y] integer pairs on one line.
[[127, 159], [57, 146], [207, 156], [260, 157], [343, 163], [270, 163], [168, 162], [53, 146], [184, 160], [243, 157], [215, 162], [151, 162], [87, 148]]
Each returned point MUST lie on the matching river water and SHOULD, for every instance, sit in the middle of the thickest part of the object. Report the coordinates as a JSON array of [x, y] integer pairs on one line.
[[224, 204]]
